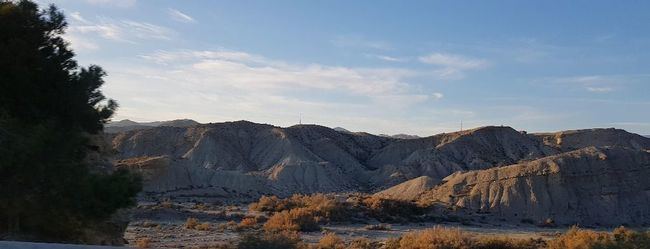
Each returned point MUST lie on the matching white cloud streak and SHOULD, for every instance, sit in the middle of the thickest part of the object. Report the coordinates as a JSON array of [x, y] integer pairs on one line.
[[85, 34], [453, 66], [180, 16]]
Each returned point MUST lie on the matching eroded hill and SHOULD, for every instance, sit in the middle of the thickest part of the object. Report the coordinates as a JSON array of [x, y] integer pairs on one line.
[[245, 159]]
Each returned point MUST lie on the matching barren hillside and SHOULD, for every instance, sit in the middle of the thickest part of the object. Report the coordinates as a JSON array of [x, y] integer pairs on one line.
[[248, 159], [589, 186]]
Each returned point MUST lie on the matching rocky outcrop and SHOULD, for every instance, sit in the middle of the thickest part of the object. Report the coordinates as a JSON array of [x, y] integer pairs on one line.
[[589, 186]]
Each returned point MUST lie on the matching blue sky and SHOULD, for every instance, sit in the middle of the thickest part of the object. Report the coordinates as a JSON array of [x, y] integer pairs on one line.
[[417, 67]]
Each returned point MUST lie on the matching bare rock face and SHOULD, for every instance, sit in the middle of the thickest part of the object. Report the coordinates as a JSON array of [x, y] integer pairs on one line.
[[409, 190], [589, 186], [441, 155]]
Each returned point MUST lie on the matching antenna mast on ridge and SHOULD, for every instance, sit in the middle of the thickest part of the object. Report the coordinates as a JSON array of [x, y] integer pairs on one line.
[[461, 125], [300, 119]]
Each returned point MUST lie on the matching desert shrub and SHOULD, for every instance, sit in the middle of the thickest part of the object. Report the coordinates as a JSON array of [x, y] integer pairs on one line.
[[388, 210], [330, 241], [379, 227], [435, 238], [508, 243], [392, 243], [299, 219], [191, 223], [620, 238], [248, 223], [205, 226], [271, 240], [143, 243], [362, 243], [270, 204]]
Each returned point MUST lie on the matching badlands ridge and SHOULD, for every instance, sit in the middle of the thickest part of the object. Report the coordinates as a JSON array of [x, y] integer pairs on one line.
[[593, 176]]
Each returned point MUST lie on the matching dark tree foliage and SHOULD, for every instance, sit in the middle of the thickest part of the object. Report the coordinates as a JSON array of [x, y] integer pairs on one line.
[[49, 107]]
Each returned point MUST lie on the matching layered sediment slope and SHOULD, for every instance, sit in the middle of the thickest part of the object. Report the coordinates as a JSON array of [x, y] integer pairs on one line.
[[589, 186], [243, 158], [409, 190]]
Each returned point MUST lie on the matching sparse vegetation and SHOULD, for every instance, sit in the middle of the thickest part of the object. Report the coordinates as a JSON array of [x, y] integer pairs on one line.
[[191, 223], [248, 223], [620, 238], [438, 237], [205, 226], [330, 241], [143, 243], [271, 240], [327, 208], [299, 219]]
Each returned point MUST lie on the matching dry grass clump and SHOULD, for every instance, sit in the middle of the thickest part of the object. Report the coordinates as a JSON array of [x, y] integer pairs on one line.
[[191, 223], [326, 207], [446, 238], [205, 226], [271, 240], [248, 223], [363, 243], [388, 210], [270, 204], [299, 219], [143, 243], [330, 241], [621, 238]]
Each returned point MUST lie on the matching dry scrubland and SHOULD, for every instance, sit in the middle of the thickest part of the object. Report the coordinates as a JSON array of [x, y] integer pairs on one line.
[[305, 221]]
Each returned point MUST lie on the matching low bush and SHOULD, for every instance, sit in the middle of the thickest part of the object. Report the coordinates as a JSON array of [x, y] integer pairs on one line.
[[363, 243], [191, 223], [299, 219], [446, 238], [271, 240], [621, 238], [205, 226], [330, 241], [143, 243], [388, 210], [248, 223]]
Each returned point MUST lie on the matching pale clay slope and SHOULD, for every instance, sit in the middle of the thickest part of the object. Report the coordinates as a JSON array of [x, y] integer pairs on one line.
[[409, 190], [590, 186], [236, 159]]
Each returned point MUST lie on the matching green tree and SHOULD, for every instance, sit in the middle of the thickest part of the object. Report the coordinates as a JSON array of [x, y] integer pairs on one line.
[[49, 108]]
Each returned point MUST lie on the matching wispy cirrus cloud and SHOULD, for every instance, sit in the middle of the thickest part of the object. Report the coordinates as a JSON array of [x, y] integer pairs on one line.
[[453, 65], [180, 16], [387, 58], [85, 34]]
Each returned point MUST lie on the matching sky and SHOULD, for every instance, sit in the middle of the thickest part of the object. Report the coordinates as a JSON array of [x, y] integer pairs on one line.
[[415, 67]]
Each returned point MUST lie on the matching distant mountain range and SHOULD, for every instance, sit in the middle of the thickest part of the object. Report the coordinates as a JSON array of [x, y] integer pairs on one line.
[[128, 125]]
